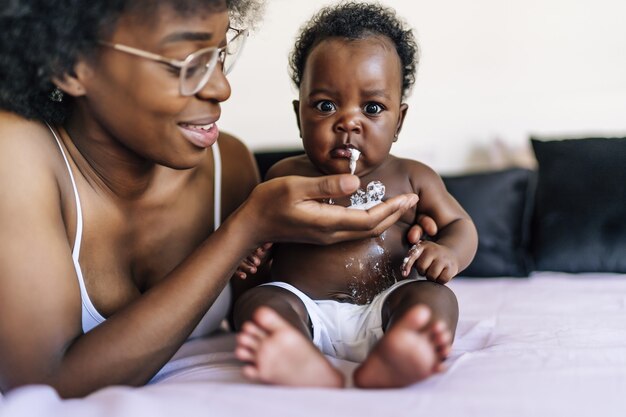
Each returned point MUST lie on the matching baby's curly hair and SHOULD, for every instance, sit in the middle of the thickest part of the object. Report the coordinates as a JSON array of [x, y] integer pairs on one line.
[[354, 20], [41, 39]]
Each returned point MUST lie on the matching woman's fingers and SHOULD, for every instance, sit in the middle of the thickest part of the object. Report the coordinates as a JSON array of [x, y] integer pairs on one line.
[[351, 224], [329, 186], [289, 209]]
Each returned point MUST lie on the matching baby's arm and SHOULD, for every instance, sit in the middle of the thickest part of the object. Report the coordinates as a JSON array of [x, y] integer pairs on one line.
[[452, 249]]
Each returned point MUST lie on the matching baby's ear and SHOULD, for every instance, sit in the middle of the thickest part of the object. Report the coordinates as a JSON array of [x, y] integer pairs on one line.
[[403, 109], [296, 109]]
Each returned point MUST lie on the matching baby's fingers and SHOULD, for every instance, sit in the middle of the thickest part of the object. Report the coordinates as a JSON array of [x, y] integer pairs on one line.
[[253, 260], [423, 264], [414, 253], [436, 272], [245, 268]]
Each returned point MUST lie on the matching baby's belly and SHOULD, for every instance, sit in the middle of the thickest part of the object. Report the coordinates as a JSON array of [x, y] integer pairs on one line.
[[352, 272]]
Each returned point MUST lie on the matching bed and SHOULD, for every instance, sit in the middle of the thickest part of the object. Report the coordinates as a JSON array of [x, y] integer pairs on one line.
[[542, 329], [550, 345]]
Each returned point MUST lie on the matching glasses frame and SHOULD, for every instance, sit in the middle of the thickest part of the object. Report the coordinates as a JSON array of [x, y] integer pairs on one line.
[[182, 66]]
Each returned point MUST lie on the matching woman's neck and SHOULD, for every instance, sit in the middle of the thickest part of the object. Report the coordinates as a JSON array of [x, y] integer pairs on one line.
[[105, 162]]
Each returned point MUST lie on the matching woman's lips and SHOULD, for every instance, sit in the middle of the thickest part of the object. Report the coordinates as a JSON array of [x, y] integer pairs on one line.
[[201, 136]]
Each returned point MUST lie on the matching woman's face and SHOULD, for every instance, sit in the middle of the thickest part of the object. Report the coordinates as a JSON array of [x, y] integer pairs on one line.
[[137, 101], [350, 97]]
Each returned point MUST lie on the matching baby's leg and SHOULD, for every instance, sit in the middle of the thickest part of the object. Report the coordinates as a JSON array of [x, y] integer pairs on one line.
[[275, 339], [419, 320]]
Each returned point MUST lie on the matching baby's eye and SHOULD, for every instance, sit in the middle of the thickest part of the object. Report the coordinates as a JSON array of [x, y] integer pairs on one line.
[[325, 106], [373, 108]]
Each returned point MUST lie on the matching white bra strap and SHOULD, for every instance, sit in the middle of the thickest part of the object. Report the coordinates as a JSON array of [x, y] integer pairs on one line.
[[217, 186], [79, 211]]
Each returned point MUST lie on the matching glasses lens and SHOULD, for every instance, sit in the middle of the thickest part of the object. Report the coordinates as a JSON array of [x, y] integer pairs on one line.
[[233, 49], [197, 71]]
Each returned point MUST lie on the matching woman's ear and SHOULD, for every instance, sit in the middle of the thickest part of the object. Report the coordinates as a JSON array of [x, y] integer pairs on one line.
[[403, 109], [296, 109], [72, 83]]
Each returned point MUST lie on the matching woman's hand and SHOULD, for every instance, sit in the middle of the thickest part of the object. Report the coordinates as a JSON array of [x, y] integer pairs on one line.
[[290, 209]]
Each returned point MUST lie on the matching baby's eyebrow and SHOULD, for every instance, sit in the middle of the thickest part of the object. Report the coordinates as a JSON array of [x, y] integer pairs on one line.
[[325, 91], [376, 93]]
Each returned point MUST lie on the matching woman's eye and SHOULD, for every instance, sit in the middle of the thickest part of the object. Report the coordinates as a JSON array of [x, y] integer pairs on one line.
[[173, 70], [325, 106], [191, 71], [373, 108]]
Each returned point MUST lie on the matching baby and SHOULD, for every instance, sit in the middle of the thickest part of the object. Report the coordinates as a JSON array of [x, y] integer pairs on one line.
[[379, 301]]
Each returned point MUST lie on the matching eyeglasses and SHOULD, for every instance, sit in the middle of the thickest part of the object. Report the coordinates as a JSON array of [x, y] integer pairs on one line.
[[195, 70]]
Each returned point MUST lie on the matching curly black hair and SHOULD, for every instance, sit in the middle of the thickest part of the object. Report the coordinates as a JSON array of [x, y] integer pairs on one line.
[[354, 20], [41, 39]]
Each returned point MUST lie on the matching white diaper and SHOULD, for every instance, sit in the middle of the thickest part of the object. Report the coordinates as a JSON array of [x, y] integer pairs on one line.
[[344, 330]]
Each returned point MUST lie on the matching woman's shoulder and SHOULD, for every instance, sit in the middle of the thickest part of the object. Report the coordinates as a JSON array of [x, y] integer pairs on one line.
[[25, 145], [240, 172], [229, 143], [237, 158], [29, 170]]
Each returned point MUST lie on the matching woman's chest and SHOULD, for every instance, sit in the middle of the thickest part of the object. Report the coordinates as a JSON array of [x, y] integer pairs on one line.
[[125, 250]]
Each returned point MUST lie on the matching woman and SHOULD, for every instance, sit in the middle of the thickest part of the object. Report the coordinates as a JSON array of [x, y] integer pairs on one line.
[[110, 255]]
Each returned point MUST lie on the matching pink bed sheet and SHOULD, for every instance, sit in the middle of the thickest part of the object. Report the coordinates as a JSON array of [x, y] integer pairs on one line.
[[551, 345]]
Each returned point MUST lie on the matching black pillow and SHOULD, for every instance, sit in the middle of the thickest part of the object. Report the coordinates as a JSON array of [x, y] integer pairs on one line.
[[500, 204], [580, 217]]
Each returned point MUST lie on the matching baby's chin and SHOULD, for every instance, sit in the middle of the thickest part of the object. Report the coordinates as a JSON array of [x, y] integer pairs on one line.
[[335, 168]]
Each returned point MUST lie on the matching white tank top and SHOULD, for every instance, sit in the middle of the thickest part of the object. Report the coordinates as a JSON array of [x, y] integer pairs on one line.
[[90, 316]]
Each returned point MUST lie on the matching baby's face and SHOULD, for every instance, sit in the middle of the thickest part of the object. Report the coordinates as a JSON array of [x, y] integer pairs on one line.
[[350, 97]]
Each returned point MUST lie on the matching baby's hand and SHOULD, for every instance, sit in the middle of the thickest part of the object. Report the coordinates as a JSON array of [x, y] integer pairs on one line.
[[435, 262], [249, 265]]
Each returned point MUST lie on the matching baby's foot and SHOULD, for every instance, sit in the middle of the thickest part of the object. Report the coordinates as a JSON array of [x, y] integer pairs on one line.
[[411, 350], [277, 353]]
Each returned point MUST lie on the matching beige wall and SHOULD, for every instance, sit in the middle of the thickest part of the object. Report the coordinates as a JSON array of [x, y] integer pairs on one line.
[[492, 71]]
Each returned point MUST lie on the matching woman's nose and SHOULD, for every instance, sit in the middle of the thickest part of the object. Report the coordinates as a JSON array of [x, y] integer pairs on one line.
[[217, 87]]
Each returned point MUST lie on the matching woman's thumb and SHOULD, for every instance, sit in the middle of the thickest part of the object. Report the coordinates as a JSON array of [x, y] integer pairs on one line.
[[334, 186]]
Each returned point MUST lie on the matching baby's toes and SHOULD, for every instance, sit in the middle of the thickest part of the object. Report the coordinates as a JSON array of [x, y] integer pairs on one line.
[[251, 372], [250, 328], [442, 339], [244, 354], [248, 341], [440, 367]]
